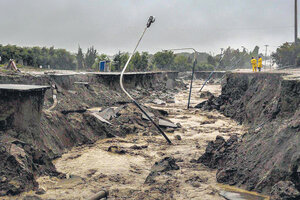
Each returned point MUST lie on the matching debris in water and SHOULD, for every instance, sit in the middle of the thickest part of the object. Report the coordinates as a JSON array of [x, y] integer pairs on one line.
[[164, 165], [116, 149], [166, 123]]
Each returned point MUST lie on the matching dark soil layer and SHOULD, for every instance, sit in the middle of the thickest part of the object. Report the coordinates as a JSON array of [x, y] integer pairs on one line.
[[270, 151], [27, 153]]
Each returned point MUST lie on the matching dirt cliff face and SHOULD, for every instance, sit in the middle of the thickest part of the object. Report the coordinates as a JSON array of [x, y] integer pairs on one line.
[[29, 141], [21, 159], [270, 151]]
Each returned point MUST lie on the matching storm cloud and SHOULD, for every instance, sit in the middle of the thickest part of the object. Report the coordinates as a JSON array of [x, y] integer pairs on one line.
[[114, 25]]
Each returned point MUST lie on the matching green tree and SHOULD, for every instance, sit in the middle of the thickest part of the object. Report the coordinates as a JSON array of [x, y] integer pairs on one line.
[[80, 58], [139, 61], [36, 56], [119, 61], [116, 65], [90, 57], [288, 54], [211, 60], [164, 60], [181, 63]]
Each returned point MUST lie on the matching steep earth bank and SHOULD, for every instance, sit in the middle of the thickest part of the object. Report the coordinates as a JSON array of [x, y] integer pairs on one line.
[[267, 158], [143, 165], [26, 154]]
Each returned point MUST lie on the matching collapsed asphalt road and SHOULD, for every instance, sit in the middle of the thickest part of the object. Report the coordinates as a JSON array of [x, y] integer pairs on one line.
[[144, 166]]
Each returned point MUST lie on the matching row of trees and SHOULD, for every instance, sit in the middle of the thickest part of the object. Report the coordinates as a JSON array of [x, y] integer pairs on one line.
[[62, 59], [36, 56], [287, 54]]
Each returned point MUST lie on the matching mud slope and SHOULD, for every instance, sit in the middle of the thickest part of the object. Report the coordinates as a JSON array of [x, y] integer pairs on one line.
[[270, 151]]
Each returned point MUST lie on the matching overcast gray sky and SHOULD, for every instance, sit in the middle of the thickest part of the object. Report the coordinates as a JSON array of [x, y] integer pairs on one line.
[[112, 25]]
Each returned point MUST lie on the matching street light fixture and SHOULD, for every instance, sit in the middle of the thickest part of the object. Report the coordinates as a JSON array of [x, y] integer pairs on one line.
[[150, 21]]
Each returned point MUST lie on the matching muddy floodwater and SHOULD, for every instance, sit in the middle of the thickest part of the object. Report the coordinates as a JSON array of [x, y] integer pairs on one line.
[[91, 168]]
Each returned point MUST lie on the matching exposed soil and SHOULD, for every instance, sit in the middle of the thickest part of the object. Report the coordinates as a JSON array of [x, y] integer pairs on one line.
[[266, 158], [122, 165], [26, 152]]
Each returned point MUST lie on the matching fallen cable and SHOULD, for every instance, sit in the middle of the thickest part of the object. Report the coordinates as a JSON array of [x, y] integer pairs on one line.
[[150, 21], [210, 75]]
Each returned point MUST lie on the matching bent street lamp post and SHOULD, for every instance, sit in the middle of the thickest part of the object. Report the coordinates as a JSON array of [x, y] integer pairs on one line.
[[150, 21], [193, 70]]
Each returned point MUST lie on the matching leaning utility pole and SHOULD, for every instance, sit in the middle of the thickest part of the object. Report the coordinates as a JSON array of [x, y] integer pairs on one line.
[[296, 24], [193, 70], [266, 55]]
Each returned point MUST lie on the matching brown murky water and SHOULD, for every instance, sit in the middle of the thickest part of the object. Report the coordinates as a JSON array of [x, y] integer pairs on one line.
[[92, 168]]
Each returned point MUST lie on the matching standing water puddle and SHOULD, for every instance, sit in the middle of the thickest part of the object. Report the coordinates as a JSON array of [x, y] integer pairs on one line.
[[233, 193]]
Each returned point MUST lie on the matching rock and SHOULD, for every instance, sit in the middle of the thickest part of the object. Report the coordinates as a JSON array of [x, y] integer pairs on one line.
[[217, 150], [72, 92], [212, 103], [171, 100], [40, 191], [116, 149], [91, 172], [135, 147], [285, 190], [164, 165], [170, 84], [178, 125], [225, 175], [196, 180], [165, 123], [170, 130], [206, 95], [19, 164], [138, 88], [145, 134], [178, 137], [163, 112], [159, 102]]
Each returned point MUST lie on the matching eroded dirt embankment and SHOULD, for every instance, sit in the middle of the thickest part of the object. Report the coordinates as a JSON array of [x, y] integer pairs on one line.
[[27, 153], [267, 158], [144, 165]]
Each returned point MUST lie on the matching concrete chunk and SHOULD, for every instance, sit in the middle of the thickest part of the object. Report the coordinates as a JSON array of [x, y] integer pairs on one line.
[[100, 118], [159, 102], [166, 123], [108, 113], [145, 117], [22, 88]]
